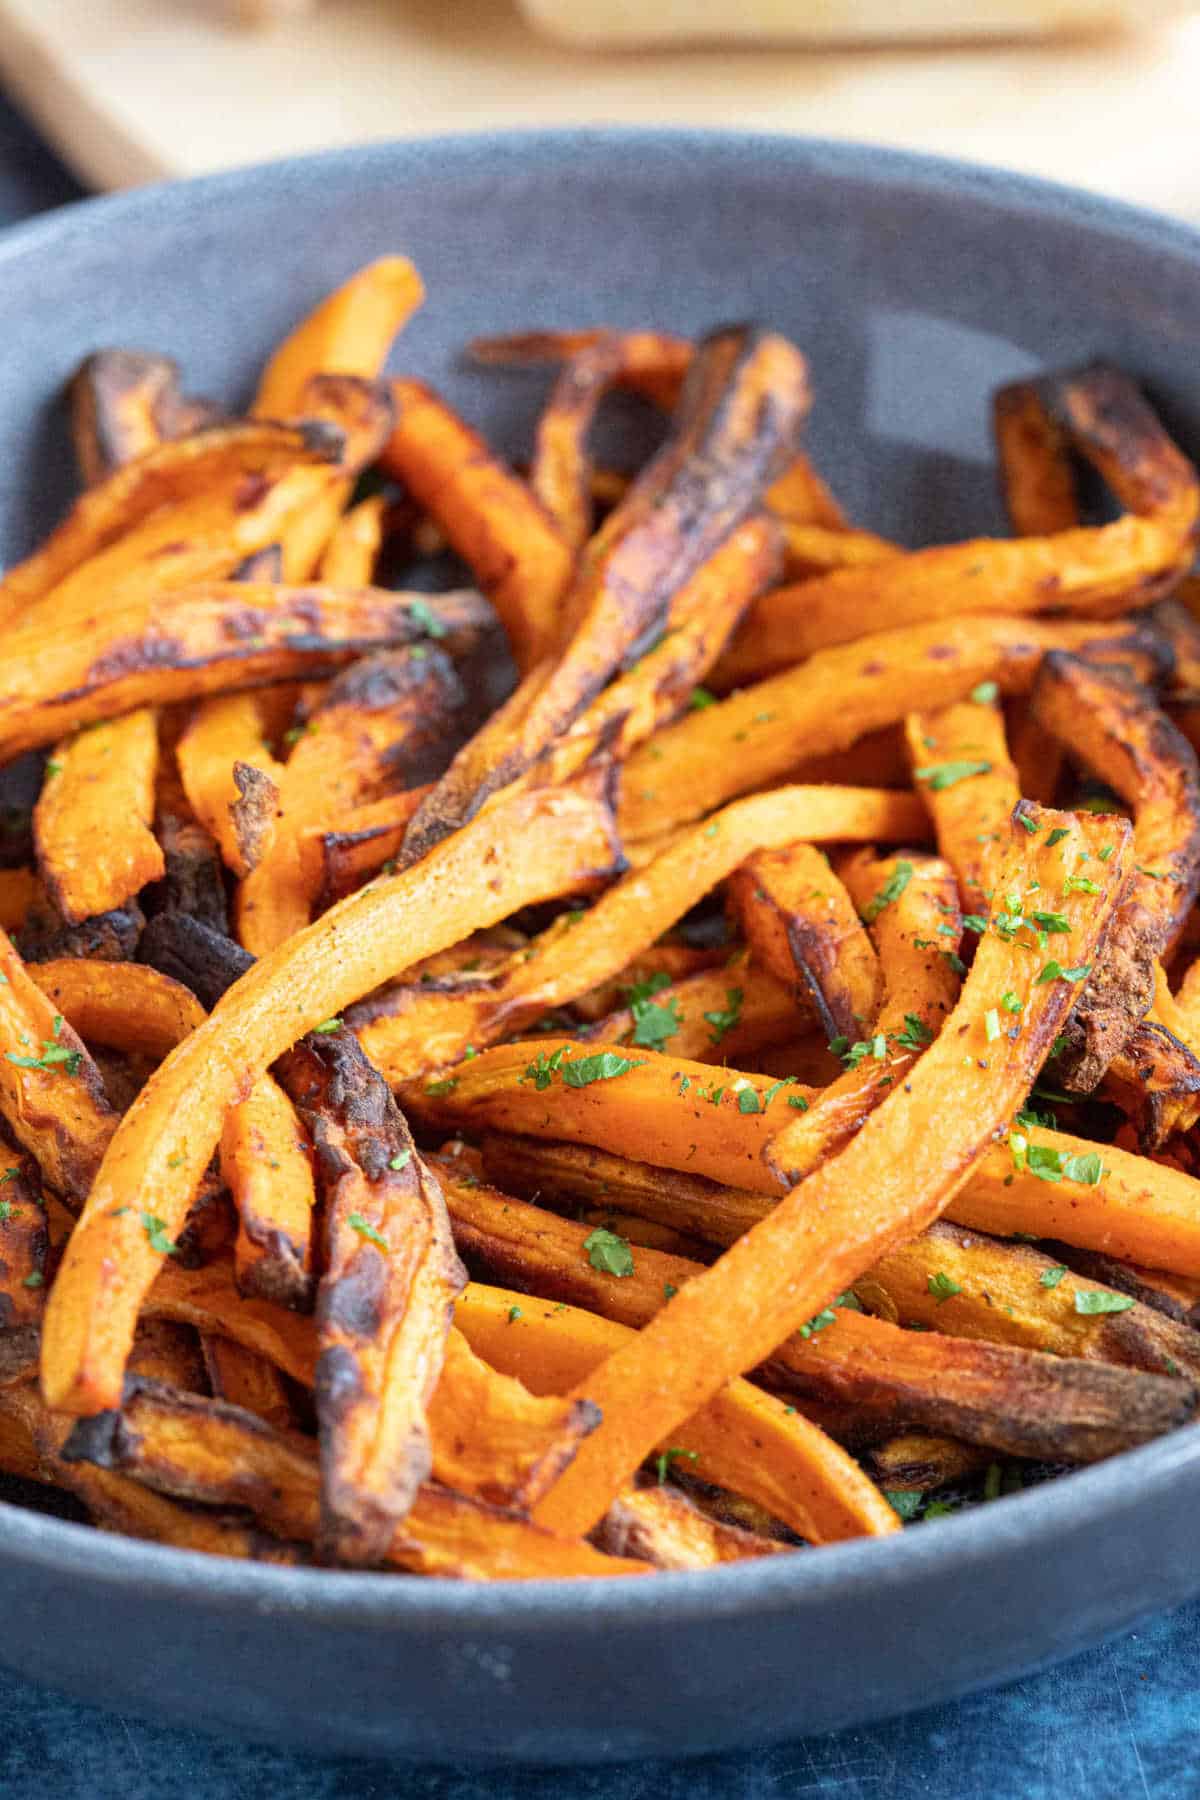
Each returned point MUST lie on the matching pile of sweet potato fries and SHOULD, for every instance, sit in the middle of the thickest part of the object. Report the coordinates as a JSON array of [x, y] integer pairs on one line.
[[684, 1048]]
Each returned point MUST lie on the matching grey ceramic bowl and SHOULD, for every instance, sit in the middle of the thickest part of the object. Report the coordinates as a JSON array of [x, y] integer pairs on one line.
[[915, 286]]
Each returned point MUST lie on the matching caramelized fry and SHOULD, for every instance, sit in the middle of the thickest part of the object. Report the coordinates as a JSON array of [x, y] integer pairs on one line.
[[102, 776]]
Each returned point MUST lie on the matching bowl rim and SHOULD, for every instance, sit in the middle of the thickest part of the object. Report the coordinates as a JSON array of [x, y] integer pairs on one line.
[[1017, 1524]]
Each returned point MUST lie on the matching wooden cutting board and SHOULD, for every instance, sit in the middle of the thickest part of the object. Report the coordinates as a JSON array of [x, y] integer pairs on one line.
[[134, 90]]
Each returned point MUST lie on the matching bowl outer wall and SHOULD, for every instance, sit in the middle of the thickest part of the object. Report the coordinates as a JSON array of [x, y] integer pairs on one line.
[[914, 286]]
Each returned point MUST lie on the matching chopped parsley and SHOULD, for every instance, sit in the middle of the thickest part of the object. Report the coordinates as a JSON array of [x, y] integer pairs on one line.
[[606, 1065], [891, 890], [365, 1229], [328, 1025], [1057, 836], [904, 1502], [653, 1023], [401, 1160], [991, 1024], [749, 1101], [1080, 884], [974, 922], [949, 774], [1054, 971], [1091, 1301], [34, 1279], [916, 1033], [1050, 1278], [722, 1022], [1056, 924], [985, 693], [1030, 825], [423, 616], [669, 1290], [156, 1232], [942, 1287], [1011, 1002], [608, 1251], [53, 1055], [1106, 853], [1052, 1165], [699, 698], [798, 1101], [437, 1090], [514, 1313], [7, 1211], [665, 1458], [541, 1072]]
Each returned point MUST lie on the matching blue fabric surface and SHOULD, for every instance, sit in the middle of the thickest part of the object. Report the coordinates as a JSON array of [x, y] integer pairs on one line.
[[1117, 1721]]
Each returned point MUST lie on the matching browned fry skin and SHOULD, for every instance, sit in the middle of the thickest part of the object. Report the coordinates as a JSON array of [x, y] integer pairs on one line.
[[187, 511], [1092, 571], [1034, 449], [266, 1162], [51, 1095], [124, 403], [917, 1462], [98, 780], [24, 1245], [46, 936], [230, 775], [385, 1301], [912, 907], [1112, 724], [495, 1440], [1155, 1080], [1010, 1293], [192, 881], [200, 640], [1172, 1295], [1177, 621], [653, 363], [1025, 1405], [659, 1525], [246, 1379], [745, 398], [165, 1350], [803, 927], [560, 473], [961, 768], [1037, 757], [210, 1452]]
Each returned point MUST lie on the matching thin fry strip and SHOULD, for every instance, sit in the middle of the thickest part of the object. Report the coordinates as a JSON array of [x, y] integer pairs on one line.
[[266, 1163], [93, 781], [362, 841], [498, 527], [802, 925], [675, 1014], [759, 735], [1034, 452], [24, 1244], [180, 645], [915, 922], [743, 1439], [742, 408], [962, 770], [248, 1380], [582, 953], [349, 333], [517, 855], [123, 1005], [385, 1299], [51, 1094], [892, 1179], [352, 552], [230, 776], [560, 472], [124, 404]]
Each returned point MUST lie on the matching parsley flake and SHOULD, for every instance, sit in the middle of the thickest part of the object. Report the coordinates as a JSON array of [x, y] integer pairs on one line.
[[608, 1252], [156, 1232], [665, 1458], [722, 1022], [942, 1287], [1057, 835], [1092, 1301], [401, 1160], [948, 774], [606, 1065], [985, 693], [889, 892], [1050, 1278], [426, 620], [365, 1229], [328, 1025]]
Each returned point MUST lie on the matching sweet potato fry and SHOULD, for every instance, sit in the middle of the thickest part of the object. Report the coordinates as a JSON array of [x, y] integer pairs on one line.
[[93, 780], [744, 1438], [385, 1299], [181, 645], [380, 721], [560, 473], [745, 399], [266, 1163], [962, 771], [350, 556], [248, 1380], [890, 1181], [349, 333], [230, 777], [24, 1243], [653, 363], [913, 908], [1113, 725], [51, 1094], [811, 550], [186, 512], [1155, 1080], [124, 1005], [803, 927], [207, 1298], [491, 1438], [17, 890], [661, 1526], [1090, 570], [917, 1462], [1034, 451], [1175, 1296], [760, 734], [125, 403], [661, 1108], [580, 953], [957, 1280], [519, 556], [211, 1452]]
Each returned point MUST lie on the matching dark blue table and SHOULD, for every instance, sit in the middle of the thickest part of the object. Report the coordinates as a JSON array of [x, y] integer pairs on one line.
[[1120, 1721]]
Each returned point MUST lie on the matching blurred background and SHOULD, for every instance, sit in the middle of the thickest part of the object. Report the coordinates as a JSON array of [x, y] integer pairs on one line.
[[1097, 92]]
